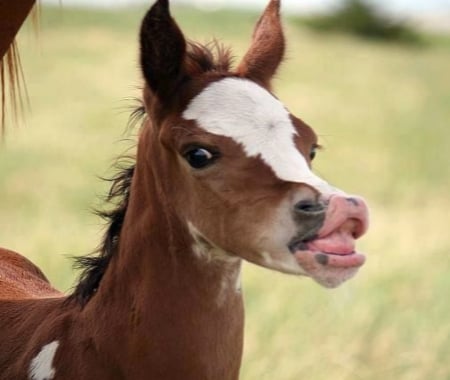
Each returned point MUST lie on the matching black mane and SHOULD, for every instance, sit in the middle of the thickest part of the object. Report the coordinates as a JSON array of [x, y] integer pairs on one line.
[[93, 267]]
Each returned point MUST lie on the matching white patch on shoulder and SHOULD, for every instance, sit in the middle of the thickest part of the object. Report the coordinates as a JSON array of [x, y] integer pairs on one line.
[[41, 367], [250, 115]]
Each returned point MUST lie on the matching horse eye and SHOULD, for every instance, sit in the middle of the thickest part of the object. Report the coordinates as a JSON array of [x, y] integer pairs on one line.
[[199, 158], [313, 152]]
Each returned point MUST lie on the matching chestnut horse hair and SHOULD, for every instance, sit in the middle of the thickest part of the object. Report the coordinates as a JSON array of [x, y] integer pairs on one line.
[[12, 16], [222, 174]]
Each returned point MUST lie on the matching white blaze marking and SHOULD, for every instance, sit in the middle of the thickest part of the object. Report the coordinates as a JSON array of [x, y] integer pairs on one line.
[[250, 115], [41, 367]]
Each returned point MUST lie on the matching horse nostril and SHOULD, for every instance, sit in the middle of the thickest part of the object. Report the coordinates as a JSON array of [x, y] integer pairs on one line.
[[309, 207], [353, 201]]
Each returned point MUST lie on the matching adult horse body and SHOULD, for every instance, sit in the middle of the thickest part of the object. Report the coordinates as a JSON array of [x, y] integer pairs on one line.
[[222, 174]]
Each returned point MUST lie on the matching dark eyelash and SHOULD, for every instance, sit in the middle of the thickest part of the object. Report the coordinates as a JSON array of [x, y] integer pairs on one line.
[[318, 146]]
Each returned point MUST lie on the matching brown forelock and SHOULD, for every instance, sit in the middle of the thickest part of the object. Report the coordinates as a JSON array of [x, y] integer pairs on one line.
[[204, 58]]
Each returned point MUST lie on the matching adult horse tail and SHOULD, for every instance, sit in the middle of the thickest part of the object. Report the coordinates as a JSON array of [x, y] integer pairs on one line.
[[12, 16]]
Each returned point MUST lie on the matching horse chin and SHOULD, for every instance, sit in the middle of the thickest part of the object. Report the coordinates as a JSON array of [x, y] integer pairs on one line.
[[329, 269]]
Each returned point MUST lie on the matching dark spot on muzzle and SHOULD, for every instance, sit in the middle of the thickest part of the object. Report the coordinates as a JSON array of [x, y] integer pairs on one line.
[[322, 258]]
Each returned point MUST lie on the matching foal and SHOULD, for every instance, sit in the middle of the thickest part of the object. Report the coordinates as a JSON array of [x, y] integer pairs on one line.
[[222, 174]]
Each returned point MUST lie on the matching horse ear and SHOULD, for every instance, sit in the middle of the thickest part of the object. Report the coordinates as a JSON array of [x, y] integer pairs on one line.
[[163, 50], [267, 49]]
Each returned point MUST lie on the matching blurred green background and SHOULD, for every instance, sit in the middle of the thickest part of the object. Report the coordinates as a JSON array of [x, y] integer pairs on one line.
[[382, 112]]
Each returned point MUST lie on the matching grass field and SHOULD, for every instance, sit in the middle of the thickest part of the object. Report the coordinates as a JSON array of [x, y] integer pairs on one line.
[[382, 112]]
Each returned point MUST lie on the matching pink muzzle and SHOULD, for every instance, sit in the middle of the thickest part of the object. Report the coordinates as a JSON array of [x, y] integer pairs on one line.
[[331, 257]]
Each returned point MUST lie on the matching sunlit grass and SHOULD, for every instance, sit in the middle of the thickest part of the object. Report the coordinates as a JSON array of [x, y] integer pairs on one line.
[[382, 114]]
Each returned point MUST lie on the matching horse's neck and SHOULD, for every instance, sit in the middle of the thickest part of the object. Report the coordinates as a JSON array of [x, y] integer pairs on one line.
[[163, 302]]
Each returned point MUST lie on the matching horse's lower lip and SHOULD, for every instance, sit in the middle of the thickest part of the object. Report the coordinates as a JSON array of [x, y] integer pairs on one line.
[[339, 260], [308, 259]]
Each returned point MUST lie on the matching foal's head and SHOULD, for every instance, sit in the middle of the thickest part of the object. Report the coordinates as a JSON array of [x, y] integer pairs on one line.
[[234, 163]]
